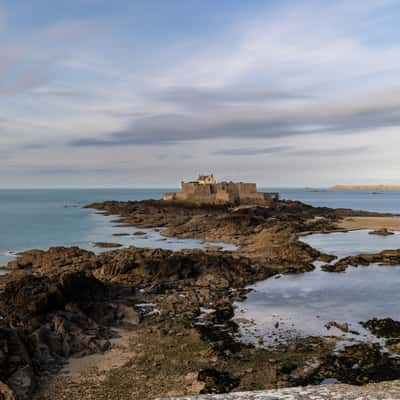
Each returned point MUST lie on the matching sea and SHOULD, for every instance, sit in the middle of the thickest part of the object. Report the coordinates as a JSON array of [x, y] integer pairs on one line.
[[41, 218], [289, 307]]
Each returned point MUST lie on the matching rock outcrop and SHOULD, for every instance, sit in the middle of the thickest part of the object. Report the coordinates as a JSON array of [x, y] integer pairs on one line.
[[381, 232], [66, 301], [46, 319], [384, 258], [385, 328]]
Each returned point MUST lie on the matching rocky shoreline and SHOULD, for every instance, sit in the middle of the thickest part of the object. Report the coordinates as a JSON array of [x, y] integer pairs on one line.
[[383, 258], [175, 308]]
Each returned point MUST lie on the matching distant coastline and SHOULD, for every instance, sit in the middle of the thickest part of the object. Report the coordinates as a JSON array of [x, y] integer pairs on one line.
[[365, 187]]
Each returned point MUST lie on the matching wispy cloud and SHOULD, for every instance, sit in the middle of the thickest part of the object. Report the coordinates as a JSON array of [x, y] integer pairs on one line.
[[252, 151], [277, 79], [290, 151], [322, 119]]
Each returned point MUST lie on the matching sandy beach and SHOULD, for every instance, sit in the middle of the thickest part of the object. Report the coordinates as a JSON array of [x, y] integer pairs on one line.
[[390, 223]]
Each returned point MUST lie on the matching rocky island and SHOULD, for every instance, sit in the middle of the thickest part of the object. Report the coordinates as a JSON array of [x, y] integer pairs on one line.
[[137, 323]]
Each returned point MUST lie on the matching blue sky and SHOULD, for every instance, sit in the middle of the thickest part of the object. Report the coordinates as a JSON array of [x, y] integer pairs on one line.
[[145, 93]]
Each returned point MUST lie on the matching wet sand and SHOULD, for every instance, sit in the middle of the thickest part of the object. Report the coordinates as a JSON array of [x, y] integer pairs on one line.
[[390, 223]]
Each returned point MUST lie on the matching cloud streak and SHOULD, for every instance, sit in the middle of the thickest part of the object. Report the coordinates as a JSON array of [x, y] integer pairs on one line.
[[252, 151], [292, 151], [102, 87], [169, 129]]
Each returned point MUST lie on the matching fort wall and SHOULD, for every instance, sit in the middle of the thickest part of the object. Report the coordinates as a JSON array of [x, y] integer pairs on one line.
[[220, 193]]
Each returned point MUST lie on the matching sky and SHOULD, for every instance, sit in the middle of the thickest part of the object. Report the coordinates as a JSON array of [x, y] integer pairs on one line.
[[138, 93]]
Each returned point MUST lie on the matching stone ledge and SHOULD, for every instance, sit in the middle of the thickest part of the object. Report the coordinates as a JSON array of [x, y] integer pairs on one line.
[[378, 391]]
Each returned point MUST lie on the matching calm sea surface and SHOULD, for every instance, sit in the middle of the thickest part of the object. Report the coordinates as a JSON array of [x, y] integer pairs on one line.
[[39, 219], [300, 304], [44, 218]]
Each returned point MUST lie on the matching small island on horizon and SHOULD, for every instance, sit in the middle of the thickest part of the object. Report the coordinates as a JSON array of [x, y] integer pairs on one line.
[[365, 187]]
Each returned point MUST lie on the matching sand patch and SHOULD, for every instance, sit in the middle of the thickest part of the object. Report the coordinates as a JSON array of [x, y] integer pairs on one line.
[[100, 363], [391, 223]]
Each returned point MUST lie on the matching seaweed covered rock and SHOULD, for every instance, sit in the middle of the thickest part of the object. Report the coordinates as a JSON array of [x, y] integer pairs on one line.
[[385, 328], [33, 297], [357, 364], [55, 260], [381, 232], [218, 381], [385, 257], [16, 370], [217, 328], [157, 267], [46, 320]]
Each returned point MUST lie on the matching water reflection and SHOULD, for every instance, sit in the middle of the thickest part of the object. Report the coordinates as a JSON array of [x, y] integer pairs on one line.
[[301, 305]]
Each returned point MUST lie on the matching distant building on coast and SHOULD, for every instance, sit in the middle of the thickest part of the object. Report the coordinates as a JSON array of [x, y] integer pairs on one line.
[[206, 190]]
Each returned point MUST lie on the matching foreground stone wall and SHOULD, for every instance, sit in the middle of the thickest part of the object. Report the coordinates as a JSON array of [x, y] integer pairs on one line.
[[377, 391]]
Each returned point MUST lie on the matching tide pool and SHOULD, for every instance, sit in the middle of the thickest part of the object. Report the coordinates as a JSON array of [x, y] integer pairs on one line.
[[300, 305]]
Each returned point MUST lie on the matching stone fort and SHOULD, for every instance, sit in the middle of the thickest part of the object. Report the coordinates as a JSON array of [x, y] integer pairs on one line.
[[207, 190]]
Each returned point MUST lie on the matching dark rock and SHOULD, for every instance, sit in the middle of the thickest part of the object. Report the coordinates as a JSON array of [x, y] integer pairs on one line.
[[217, 328], [16, 370], [385, 328], [46, 320], [158, 267], [55, 260], [218, 381], [357, 364], [381, 232], [393, 344], [107, 245], [385, 257]]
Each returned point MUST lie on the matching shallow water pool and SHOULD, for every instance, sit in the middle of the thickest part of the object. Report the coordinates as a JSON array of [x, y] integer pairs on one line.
[[301, 305], [344, 244]]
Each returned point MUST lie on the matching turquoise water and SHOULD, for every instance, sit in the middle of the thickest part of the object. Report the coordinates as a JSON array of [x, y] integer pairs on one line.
[[44, 218]]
